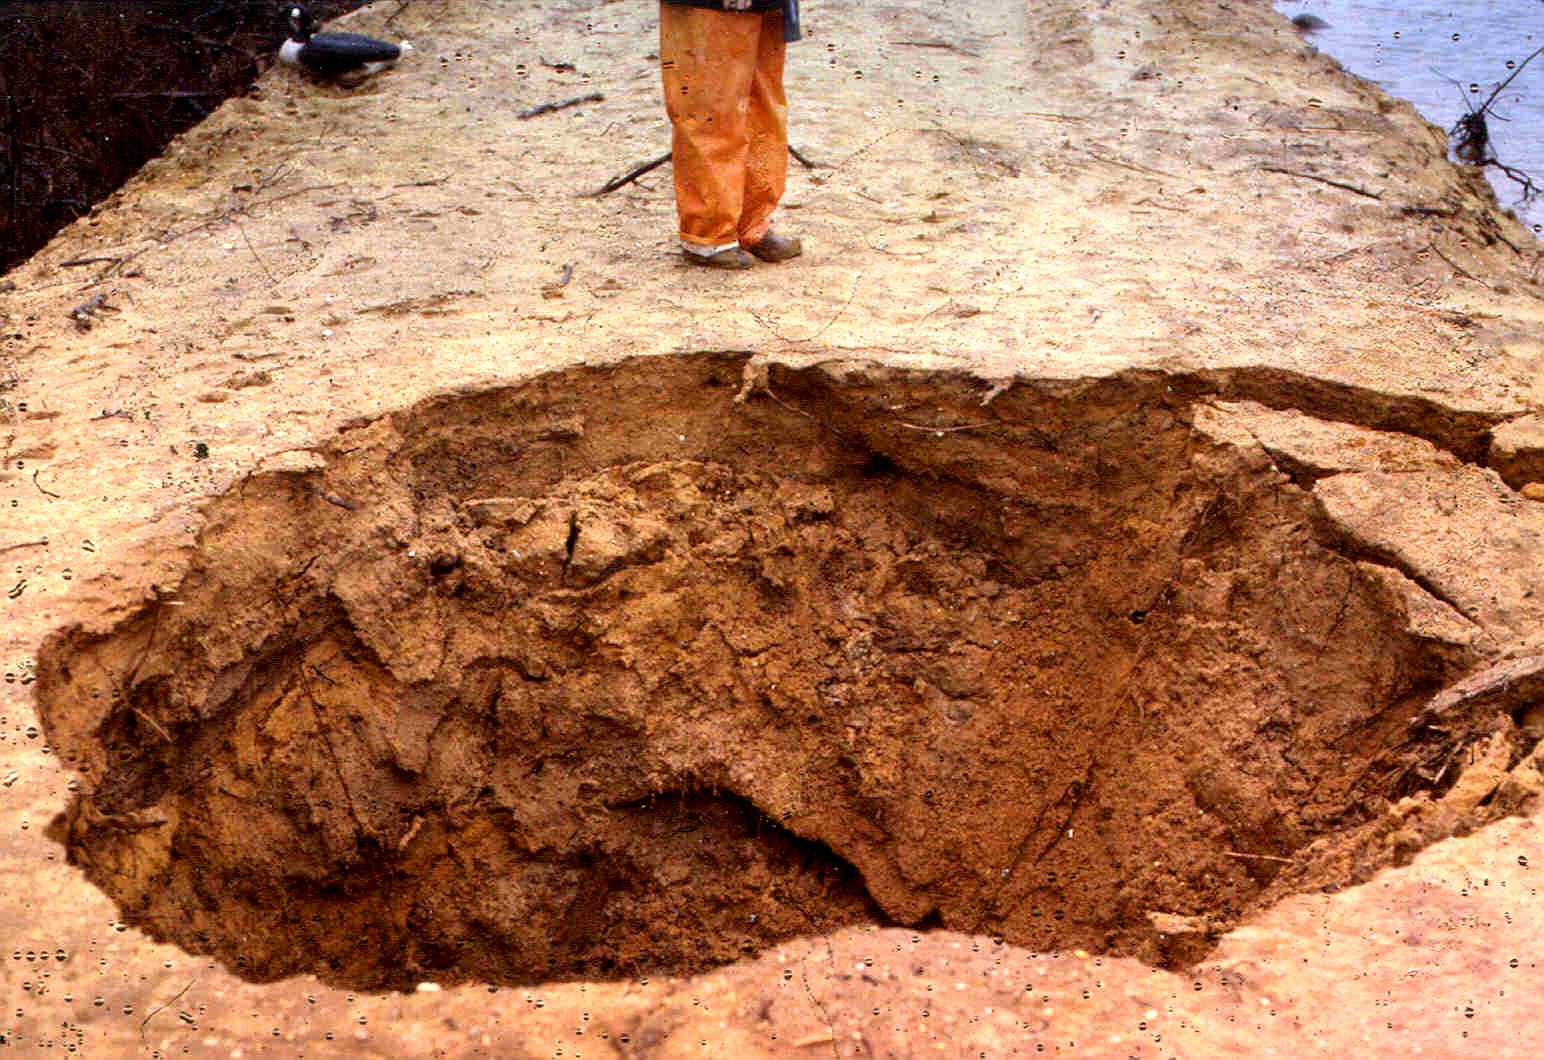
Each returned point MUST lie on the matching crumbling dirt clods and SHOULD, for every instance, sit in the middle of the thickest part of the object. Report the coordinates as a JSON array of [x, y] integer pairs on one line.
[[607, 672]]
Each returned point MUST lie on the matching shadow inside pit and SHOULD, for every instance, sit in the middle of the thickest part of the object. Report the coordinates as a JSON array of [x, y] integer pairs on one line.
[[611, 673]]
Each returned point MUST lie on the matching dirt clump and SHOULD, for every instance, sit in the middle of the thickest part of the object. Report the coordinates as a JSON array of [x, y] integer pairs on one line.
[[547, 682]]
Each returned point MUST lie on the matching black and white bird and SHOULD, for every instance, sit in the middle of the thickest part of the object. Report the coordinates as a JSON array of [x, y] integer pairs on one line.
[[346, 57]]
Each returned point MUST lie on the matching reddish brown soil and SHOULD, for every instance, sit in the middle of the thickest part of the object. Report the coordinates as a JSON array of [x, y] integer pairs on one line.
[[610, 672]]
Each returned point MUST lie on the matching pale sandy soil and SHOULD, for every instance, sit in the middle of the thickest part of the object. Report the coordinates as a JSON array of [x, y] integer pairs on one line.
[[1060, 193]]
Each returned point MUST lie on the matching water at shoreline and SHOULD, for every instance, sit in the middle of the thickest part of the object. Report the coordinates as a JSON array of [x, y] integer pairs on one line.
[[1410, 47]]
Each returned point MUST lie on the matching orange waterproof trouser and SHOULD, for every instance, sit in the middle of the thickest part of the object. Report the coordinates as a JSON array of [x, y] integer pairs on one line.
[[723, 75]]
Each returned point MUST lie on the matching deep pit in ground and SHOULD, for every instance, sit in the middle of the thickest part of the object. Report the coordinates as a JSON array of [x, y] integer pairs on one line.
[[609, 673]]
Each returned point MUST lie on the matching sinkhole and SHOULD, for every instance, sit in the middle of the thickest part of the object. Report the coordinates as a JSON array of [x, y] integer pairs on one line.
[[647, 667]]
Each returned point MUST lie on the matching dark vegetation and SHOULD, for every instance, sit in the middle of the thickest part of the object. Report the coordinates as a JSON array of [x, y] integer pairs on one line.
[[91, 90], [1470, 135]]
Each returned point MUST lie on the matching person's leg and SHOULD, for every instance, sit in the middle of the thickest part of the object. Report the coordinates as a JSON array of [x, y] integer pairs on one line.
[[766, 164], [707, 61]]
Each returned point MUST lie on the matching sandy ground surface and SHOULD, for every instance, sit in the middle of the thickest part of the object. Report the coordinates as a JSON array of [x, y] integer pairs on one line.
[[1062, 193]]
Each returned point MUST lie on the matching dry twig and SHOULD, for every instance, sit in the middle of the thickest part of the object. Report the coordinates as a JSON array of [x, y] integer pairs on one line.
[[401, 7], [1324, 180], [152, 1013], [806, 163], [157, 726], [950, 430], [1133, 166], [1456, 267], [547, 108], [940, 44], [44, 490], [272, 282], [627, 178]]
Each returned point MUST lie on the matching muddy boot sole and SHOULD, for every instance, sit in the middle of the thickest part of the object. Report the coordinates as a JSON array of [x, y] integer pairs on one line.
[[774, 247]]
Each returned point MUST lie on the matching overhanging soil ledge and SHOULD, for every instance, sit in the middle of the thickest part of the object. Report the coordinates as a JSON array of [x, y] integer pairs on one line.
[[653, 666]]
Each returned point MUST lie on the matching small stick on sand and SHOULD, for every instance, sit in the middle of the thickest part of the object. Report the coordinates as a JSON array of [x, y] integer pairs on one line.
[[654, 163], [1258, 857], [157, 726], [1323, 180], [806, 163], [169, 1001], [563, 104], [44, 490], [627, 178], [818, 1038], [1465, 273]]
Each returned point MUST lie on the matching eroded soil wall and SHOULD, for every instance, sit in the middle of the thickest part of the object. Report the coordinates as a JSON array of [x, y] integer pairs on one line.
[[611, 671]]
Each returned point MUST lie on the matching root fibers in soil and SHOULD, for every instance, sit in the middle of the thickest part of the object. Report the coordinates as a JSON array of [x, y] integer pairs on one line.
[[609, 672]]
